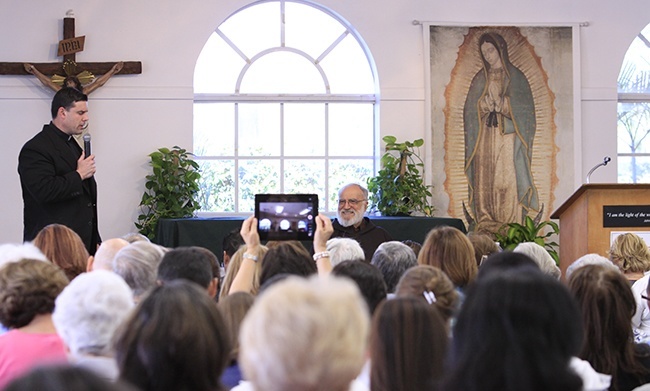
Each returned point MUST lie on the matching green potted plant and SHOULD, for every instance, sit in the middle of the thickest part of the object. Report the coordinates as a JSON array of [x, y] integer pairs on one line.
[[511, 234], [398, 188], [171, 189]]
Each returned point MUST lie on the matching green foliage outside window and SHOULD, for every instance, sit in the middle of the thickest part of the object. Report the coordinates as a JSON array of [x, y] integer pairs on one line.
[[217, 186], [217, 183]]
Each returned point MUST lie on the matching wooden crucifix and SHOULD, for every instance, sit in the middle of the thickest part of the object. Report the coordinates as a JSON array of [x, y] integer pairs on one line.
[[68, 47]]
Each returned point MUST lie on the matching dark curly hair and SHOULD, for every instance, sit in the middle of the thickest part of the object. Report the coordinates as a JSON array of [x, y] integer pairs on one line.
[[28, 288]]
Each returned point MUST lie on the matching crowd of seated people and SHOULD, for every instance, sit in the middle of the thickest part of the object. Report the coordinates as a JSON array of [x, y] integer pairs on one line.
[[452, 313]]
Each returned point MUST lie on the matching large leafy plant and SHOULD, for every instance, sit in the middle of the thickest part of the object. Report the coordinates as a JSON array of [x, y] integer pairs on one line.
[[398, 188], [511, 234], [171, 189]]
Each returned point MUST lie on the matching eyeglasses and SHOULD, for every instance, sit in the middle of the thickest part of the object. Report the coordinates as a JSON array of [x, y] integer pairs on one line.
[[351, 201], [645, 297]]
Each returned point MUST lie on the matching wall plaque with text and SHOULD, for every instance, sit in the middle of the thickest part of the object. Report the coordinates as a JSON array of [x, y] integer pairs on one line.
[[626, 215]]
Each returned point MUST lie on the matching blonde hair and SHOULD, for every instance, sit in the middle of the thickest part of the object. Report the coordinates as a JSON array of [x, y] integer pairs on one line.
[[630, 253], [233, 268], [425, 278], [234, 308], [305, 334], [450, 250]]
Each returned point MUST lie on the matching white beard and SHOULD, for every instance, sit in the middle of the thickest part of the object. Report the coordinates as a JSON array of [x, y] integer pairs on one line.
[[354, 220]]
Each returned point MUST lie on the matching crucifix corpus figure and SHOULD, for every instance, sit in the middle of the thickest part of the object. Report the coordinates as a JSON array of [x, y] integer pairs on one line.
[[84, 81], [69, 73]]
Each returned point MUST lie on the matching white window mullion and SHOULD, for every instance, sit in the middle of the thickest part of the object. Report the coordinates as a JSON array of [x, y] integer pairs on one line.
[[282, 157], [237, 157], [253, 53]]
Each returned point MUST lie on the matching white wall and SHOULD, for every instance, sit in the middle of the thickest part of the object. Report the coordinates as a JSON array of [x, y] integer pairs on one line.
[[133, 115]]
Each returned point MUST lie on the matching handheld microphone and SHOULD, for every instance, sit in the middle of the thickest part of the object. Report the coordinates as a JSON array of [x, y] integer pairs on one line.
[[606, 160], [86, 145]]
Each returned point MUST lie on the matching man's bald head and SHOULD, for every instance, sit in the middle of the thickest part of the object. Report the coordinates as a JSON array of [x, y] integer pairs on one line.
[[105, 253]]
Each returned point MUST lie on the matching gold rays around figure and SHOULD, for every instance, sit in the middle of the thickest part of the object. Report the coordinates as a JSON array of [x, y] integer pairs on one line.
[[70, 69]]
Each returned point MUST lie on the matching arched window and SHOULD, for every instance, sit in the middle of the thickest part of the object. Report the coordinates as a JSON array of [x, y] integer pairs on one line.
[[285, 101], [634, 112]]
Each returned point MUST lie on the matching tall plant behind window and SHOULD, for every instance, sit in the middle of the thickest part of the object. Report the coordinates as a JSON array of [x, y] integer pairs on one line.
[[284, 102], [634, 112]]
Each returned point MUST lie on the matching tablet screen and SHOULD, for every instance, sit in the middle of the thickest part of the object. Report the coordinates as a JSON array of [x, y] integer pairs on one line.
[[286, 216]]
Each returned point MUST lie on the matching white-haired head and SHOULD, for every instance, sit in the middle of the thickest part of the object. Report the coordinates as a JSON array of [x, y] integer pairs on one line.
[[90, 309], [393, 259], [137, 264], [11, 252], [539, 254], [344, 249], [307, 334], [589, 259]]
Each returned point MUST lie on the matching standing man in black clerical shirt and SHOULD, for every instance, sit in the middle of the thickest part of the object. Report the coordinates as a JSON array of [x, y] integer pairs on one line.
[[56, 178]]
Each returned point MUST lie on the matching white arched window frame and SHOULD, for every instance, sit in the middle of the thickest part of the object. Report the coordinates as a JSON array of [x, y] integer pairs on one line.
[[633, 128], [292, 113]]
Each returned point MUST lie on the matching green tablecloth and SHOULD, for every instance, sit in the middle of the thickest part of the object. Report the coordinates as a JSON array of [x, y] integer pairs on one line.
[[209, 232]]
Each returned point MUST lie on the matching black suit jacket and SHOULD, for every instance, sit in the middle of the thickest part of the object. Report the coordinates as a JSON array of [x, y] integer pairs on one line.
[[53, 191]]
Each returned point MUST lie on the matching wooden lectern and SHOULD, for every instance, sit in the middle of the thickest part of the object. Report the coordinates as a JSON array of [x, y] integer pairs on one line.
[[582, 226]]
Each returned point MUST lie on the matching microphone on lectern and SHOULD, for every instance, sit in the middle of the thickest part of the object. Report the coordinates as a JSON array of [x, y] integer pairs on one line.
[[606, 160], [86, 145]]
